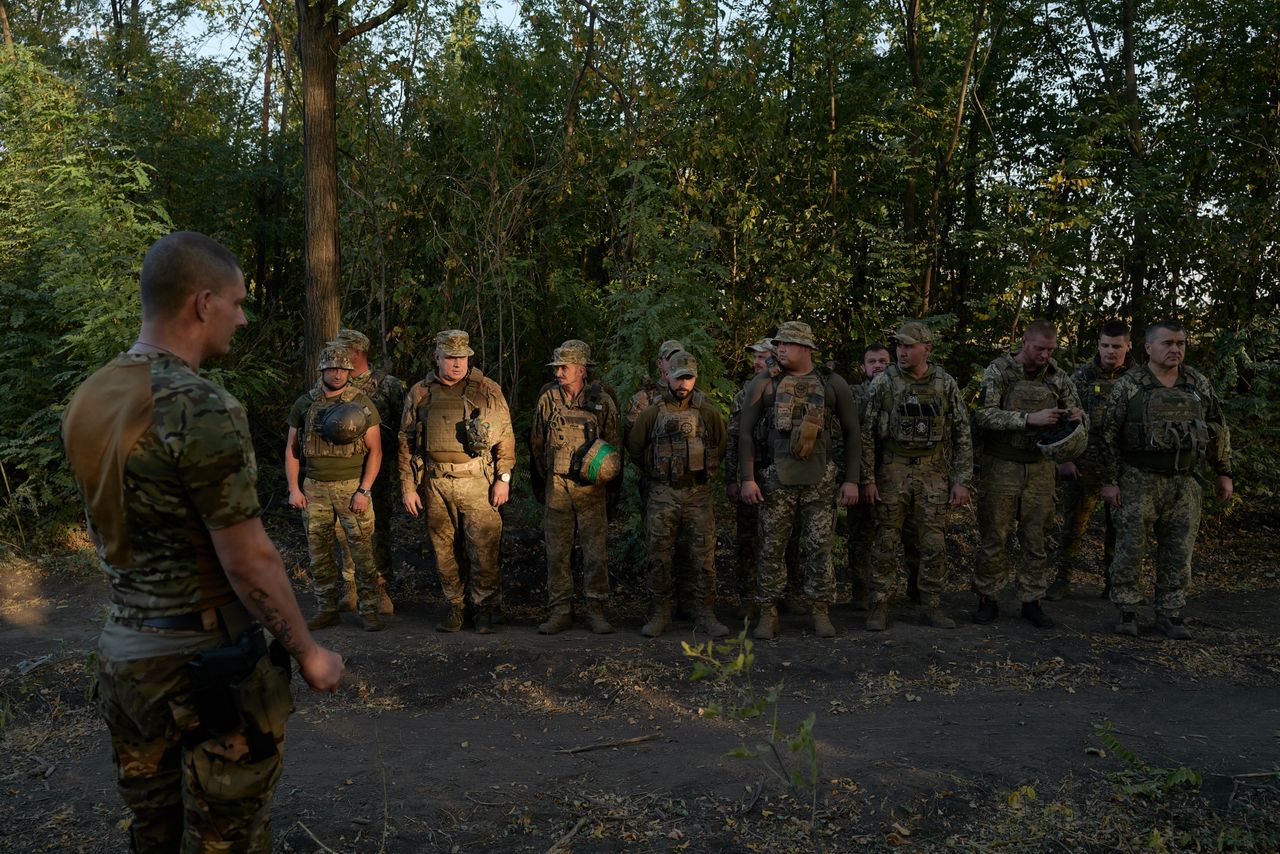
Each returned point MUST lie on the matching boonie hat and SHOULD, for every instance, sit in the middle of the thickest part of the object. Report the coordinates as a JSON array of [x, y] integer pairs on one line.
[[571, 352], [352, 339], [455, 343], [795, 332]]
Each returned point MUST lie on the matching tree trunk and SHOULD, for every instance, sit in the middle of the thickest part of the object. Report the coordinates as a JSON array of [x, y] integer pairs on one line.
[[8, 36], [1136, 263], [911, 41], [265, 190], [318, 54]]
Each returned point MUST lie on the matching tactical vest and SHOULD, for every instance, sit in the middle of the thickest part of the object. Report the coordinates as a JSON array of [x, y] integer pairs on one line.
[[1165, 428], [441, 427], [916, 425], [1096, 395], [799, 422], [313, 444], [571, 428], [1020, 395], [679, 443]]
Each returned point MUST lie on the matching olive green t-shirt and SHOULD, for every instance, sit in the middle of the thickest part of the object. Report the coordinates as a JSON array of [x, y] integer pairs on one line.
[[332, 468]]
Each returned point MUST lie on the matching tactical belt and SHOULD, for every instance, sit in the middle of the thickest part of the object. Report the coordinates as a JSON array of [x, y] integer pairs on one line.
[[894, 457], [1011, 454], [1161, 462], [233, 618], [471, 468]]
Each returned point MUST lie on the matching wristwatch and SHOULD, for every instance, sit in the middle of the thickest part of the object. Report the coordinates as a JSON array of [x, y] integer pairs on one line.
[[364, 492], [505, 477]]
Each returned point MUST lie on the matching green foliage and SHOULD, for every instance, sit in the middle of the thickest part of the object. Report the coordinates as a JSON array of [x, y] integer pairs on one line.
[[1141, 779]]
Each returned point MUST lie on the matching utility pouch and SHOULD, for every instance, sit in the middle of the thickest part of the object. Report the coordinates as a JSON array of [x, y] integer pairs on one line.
[[241, 687]]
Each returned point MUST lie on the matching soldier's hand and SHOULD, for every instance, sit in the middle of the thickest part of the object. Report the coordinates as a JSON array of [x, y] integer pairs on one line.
[[750, 493], [499, 493], [359, 502], [848, 494], [1045, 417], [871, 493], [959, 495], [322, 670], [732, 491], [1224, 488], [1068, 470], [297, 499], [1111, 494], [413, 502]]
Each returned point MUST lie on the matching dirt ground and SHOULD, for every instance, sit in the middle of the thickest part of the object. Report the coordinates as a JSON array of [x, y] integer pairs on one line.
[[979, 738]]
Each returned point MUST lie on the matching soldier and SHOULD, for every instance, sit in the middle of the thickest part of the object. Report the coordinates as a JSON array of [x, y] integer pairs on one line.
[[387, 394], [650, 391], [801, 408], [1081, 480], [917, 455], [457, 453], [748, 516], [164, 461], [1021, 395], [334, 429], [677, 443], [575, 424], [859, 520], [1162, 423]]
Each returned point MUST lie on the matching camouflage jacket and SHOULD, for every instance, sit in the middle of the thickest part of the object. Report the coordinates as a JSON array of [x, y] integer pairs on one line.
[[731, 443], [649, 394], [593, 398], [387, 394], [714, 432], [888, 391], [162, 456], [1094, 386], [991, 415], [482, 392]]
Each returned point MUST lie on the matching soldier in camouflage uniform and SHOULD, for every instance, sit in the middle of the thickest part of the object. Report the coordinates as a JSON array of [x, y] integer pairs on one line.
[[1081, 480], [917, 456], [860, 519], [1162, 424], [677, 443], [165, 463], [801, 408], [387, 394], [333, 433], [456, 438], [568, 418], [1021, 395]]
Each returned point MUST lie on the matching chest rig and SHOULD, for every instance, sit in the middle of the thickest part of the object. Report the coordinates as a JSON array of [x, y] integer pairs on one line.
[[570, 429], [1097, 392], [916, 424], [1020, 395], [679, 444], [451, 428], [313, 444], [1165, 428], [800, 428]]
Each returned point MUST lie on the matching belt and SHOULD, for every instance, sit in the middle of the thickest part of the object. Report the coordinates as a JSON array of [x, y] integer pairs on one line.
[[471, 468], [231, 617]]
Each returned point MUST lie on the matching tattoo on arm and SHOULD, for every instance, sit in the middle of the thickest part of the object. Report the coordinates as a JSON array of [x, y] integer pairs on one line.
[[275, 623]]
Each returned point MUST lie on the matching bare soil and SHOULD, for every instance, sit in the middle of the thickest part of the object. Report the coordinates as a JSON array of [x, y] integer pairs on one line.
[[979, 738]]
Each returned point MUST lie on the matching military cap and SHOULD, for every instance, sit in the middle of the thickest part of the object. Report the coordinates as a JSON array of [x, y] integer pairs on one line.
[[913, 332], [454, 342], [764, 345], [352, 339], [668, 347], [795, 332], [682, 364], [571, 352], [334, 357]]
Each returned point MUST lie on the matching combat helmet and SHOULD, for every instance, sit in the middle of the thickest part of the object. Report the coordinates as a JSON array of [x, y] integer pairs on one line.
[[1065, 442], [335, 357], [343, 423], [598, 462]]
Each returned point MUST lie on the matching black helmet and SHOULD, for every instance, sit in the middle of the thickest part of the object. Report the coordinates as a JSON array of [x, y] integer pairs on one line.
[[343, 424]]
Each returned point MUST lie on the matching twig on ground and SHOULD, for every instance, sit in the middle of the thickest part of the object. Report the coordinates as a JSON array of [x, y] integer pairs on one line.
[[315, 839], [467, 795], [563, 841], [754, 797], [622, 742]]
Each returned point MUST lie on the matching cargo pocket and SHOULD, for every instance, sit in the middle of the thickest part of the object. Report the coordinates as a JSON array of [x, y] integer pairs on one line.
[[265, 700], [218, 779]]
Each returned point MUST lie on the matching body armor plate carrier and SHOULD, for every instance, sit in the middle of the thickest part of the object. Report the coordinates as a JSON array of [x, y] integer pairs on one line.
[[1165, 429], [313, 443]]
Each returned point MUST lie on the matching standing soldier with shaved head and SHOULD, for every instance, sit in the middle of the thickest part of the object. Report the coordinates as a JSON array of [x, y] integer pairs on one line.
[[1022, 395], [1163, 423], [457, 453], [574, 441]]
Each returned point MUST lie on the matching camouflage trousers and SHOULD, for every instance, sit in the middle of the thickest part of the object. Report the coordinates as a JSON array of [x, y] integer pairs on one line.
[[384, 500], [453, 504], [674, 511], [748, 542], [575, 511], [684, 565], [329, 502], [810, 512], [1168, 506], [1014, 494], [207, 796], [914, 492], [1079, 500]]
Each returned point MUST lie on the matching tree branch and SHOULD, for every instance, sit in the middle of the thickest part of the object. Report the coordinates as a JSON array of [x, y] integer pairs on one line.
[[372, 23]]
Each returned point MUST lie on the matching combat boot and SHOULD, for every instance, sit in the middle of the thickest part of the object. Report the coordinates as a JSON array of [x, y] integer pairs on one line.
[[935, 616], [324, 620], [559, 620], [1035, 615], [1059, 589], [452, 621], [372, 623], [348, 601], [708, 623], [913, 587], [822, 625], [659, 620], [596, 619], [1128, 624], [878, 618], [767, 625], [988, 610], [1171, 626], [385, 606]]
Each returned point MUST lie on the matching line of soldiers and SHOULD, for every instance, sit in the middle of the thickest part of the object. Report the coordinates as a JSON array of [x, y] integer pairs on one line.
[[897, 451]]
